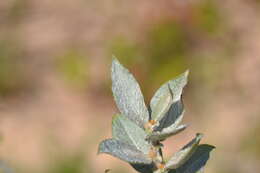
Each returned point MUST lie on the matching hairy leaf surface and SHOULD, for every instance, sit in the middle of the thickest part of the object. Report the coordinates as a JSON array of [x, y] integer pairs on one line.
[[128, 95], [163, 105], [128, 132], [123, 151]]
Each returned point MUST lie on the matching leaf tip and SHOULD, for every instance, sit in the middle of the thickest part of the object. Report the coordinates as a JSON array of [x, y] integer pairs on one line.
[[115, 61], [199, 136], [212, 147], [101, 147], [114, 58], [186, 73], [115, 117]]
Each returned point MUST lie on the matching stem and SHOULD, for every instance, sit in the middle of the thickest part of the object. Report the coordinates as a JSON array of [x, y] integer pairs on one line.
[[159, 160]]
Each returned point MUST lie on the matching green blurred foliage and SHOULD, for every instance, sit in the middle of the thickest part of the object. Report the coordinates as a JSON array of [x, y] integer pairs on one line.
[[207, 17], [256, 1], [164, 40], [251, 142], [73, 67], [14, 77], [159, 57], [74, 163], [127, 51], [17, 11], [166, 48]]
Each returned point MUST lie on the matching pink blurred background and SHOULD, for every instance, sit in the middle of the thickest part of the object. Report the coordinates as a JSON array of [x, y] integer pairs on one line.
[[56, 103]]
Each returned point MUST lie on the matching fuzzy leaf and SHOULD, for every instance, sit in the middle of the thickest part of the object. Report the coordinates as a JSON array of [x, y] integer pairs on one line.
[[173, 117], [184, 154], [176, 86], [128, 132], [123, 151], [197, 161], [165, 133], [128, 95], [163, 105]]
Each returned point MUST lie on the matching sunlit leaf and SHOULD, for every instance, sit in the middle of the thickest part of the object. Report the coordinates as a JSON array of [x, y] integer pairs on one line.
[[176, 86], [184, 154], [165, 133], [197, 161], [128, 95], [137, 133], [128, 132], [163, 105], [176, 109], [123, 151]]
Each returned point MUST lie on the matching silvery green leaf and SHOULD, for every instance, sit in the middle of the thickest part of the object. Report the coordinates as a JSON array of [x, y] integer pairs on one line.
[[163, 105], [128, 95], [128, 132], [123, 151], [176, 86], [184, 154], [197, 161], [165, 133], [173, 117]]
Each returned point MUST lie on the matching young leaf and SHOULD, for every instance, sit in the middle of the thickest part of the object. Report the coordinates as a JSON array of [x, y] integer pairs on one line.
[[128, 95], [128, 132], [184, 154], [163, 105], [176, 86], [197, 161], [173, 117], [165, 133], [123, 151]]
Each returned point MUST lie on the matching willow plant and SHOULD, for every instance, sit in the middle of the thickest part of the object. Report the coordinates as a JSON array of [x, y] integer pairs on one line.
[[138, 131]]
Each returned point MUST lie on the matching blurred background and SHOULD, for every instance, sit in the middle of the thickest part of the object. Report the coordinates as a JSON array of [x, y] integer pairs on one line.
[[56, 103]]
